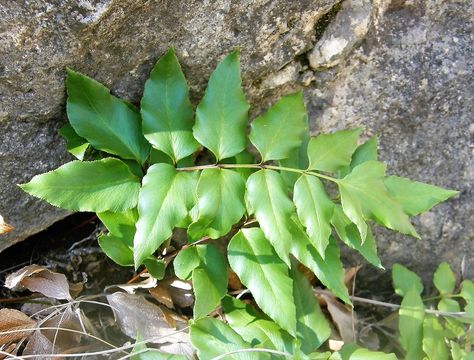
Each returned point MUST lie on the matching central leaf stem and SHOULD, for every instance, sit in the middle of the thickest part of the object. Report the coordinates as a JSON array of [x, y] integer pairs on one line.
[[257, 166]]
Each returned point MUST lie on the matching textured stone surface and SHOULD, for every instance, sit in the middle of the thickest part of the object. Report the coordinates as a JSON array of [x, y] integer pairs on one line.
[[405, 72], [117, 43], [347, 30], [411, 83]]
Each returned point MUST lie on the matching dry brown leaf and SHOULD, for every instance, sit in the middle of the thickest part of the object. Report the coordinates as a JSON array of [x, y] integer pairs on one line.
[[181, 292], [55, 341], [10, 350], [38, 344], [63, 339], [75, 289], [39, 279], [14, 320], [342, 316], [308, 274], [369, 338], [4, 227], [162, 294], [349, 275], [148, 283], [139, 317], [168, 316], [234, 281], [43, 305]]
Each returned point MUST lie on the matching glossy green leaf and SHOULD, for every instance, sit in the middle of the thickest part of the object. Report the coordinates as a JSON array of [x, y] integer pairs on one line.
[[444, 279], [281, 129], [298, 159], [456, 352], [208, 270], [221, 116], [328, 270], [106, 122], [141, 352], [75, 144], [353, 352], [209, 280], [118, 244], [410, 324], [448, 305], [365, 152], [244, 158], [467, 291], [220, 203], [87, 186], [319, 356], [185, 262], [453, 327], [404, 280], [312, 328], [157, 156], [433, 339], [349, 234], [416, 197], [164, 201], [212, 338], [315, 210], [117, 249], [269, 201], [330, 152], [254, 328], [363, 196], [134, 167], [120, 224], [166, 110], [257, 265], [156, 267]]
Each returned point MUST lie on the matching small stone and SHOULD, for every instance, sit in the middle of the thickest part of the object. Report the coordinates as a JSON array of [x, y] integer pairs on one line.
[[346, 31]]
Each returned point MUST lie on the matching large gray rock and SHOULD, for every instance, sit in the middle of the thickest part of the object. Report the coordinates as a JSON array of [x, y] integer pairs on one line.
[[411, 83], [403, 69], [117, 43]]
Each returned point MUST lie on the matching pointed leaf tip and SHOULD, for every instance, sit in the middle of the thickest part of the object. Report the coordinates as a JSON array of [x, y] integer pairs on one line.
[[221, 116], [96, 186], [167, 113], [105, 121], [281, 129]]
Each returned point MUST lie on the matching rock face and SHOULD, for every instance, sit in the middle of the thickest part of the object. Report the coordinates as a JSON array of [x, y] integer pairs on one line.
[[403, 69]]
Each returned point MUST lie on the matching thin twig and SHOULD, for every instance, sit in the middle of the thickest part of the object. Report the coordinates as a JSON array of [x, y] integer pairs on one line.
[[103, 352], [136, 277], [396, 306], [22, 298]]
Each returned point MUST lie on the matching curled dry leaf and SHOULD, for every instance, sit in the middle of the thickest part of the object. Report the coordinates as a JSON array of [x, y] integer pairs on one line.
[[162, 294], [172, 291], [148, 283], [14, 325], [181, 292], [138, 317], [4, 227], [39, 279], [234, 281], [349, 276], [342, 316], [54, 337], [38, 344]]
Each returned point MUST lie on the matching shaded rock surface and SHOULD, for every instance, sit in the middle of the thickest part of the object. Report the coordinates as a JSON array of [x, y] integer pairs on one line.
[[403, 69]]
